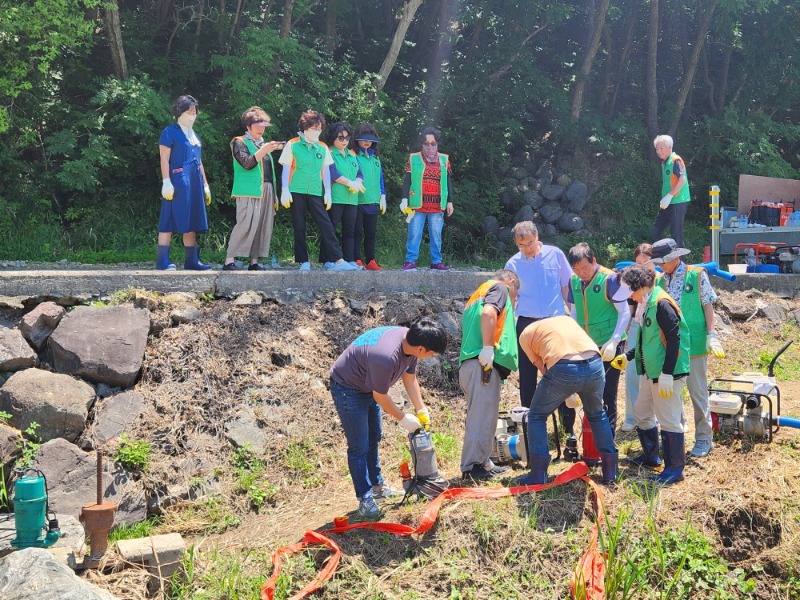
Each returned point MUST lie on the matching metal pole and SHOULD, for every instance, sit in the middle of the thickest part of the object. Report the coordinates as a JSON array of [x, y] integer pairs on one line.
[[713, 203]]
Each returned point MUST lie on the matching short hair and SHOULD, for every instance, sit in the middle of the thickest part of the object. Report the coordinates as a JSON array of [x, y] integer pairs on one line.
[[524, 228], [578, 252], [506, 275], [254, 114], [637, 277], [427, 333], [366, 128], [437, 135], [335, 129], [663, 139], [643, 249], [309, 119], [184, 103]]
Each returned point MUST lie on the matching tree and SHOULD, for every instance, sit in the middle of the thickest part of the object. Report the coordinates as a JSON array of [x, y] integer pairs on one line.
[[588, 59], [114, 33], [409, 10]]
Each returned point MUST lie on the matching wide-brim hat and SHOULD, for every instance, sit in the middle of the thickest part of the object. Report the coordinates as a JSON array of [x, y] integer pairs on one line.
[[666, 250], [367, 137]]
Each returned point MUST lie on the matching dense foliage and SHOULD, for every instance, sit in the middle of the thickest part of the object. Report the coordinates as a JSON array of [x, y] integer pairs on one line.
[[85, 88]]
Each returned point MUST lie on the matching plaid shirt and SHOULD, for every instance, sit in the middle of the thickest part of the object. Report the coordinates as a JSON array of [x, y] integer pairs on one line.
[[675, 285]]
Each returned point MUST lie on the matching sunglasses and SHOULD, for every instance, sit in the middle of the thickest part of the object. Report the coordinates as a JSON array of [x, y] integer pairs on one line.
[[342, 138]]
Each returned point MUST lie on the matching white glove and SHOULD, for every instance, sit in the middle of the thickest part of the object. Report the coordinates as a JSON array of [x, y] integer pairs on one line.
[[424, 416], [355, 187], [713, 347], [410, 423], [167, 189], [574, 401], [665, 385], [665, 201], [486, 357], [410, 216], [404, 205], [383, 204], [286, 197], [328, 201], [609, 349], [207, 193]]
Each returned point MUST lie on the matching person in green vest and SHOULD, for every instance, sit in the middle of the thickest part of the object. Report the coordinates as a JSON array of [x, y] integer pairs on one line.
[[306, 188], [371, 201], [347, 182], [674, 191], [427, 193], [662, 362], [691, 289], [254, 191], [488, 345], [600, 306]]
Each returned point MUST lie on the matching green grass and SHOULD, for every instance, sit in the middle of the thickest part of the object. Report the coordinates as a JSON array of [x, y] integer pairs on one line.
[[125, 531]]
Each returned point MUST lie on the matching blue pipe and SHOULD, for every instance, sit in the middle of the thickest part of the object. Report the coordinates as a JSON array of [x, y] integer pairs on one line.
[[787, 422], [711, 267]]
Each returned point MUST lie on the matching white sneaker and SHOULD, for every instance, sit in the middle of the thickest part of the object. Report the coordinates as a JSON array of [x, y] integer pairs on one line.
[[384, 492], [368, 510], [702, 448], [626, 427]]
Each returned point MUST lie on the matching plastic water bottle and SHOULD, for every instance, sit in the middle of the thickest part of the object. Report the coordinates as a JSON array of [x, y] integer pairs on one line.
[[275, 264], [743, 222]]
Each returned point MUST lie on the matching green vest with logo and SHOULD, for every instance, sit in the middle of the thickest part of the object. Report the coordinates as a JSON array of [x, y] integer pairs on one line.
[[305, 175], [417, 168], [652, 347], [594, 311], [347, 165], [691, 305], [505, 336], [668, 180], [371, 170], [249, 183]]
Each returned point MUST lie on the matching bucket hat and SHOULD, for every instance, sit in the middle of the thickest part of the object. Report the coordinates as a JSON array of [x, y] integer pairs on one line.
[[666, 250]]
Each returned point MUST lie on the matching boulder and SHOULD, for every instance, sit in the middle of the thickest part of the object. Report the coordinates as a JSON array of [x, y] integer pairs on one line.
[[72, 482], [185, 314], [36, 573], [524, 214], [575, 196], [551, 212], [532, 199], [772, 312], [450, 322], [10, 440], [552, 192], [519, 173], [403, 311], [114, 415], [544, 173], [15, 353], [563, 180], [101, 344], [570, 222], [549, 230], [243, 430], [490, 225], [58, 403], [737, 307], [248, 298], [40, 323]]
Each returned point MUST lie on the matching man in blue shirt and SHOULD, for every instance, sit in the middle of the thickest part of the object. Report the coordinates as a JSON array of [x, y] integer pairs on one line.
[[544, 275]]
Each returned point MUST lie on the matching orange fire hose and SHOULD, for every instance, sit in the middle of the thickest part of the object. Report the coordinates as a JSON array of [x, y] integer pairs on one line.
[[587, 580]]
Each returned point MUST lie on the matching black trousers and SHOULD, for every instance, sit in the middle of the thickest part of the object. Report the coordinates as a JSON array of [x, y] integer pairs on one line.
[[346, 215], [329, 245], [671, 217], [366, 227], [528, 373]]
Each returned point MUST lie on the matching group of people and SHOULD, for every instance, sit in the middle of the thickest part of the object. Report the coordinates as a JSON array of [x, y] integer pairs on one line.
[[339, 182]]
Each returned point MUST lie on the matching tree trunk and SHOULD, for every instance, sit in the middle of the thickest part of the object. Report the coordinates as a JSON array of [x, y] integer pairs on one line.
[[199, 29], [285, 30], [409, 10], [623, 59], [267, 13], [164, 13], [114, 32], [331, 15], [688, 78], [235, 22], [440, 55], [651, 89], [588, 60]]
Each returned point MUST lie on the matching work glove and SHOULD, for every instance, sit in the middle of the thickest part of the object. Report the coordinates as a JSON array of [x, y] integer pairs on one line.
[[573, 401], [424, 417], [713, 346], [355, 187], [404, 206], [286, 197], [410, 216], [410, 423], [486, 357], [382, 204], [328, 201], [665, 201], [666, 385], [609, 349], [167, 189], [620, 362], [207, 193]]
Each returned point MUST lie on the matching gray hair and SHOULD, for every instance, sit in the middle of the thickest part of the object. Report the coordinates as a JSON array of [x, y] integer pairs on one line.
[[506, 276], [524, 228], [663, 139]]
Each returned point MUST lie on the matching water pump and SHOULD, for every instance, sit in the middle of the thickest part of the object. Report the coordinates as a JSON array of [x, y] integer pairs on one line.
[[31, 511]]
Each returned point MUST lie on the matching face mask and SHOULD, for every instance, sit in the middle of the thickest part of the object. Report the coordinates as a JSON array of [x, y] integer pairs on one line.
[[430, 152], [311, 135], [187, 120]]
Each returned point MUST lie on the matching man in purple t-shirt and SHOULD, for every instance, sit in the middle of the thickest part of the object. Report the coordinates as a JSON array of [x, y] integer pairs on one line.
[[360, 382]]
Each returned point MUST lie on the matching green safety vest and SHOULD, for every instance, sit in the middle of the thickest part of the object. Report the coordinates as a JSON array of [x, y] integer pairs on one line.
[[652, 347], [347, 165], [691, 305], [305, 172], [505, 336], [594, 310], [417, 168], [249, 183], [371, 170], [668, 180]]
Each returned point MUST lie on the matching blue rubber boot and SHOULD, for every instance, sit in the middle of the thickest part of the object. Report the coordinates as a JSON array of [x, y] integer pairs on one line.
[[649, 456], [674, 458], [538, 472], [610, 465], [162, 259], [192, 262]]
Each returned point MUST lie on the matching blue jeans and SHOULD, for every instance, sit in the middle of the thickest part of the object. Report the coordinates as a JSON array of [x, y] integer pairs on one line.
[[361, 421], [583, 377], [435, 224]]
